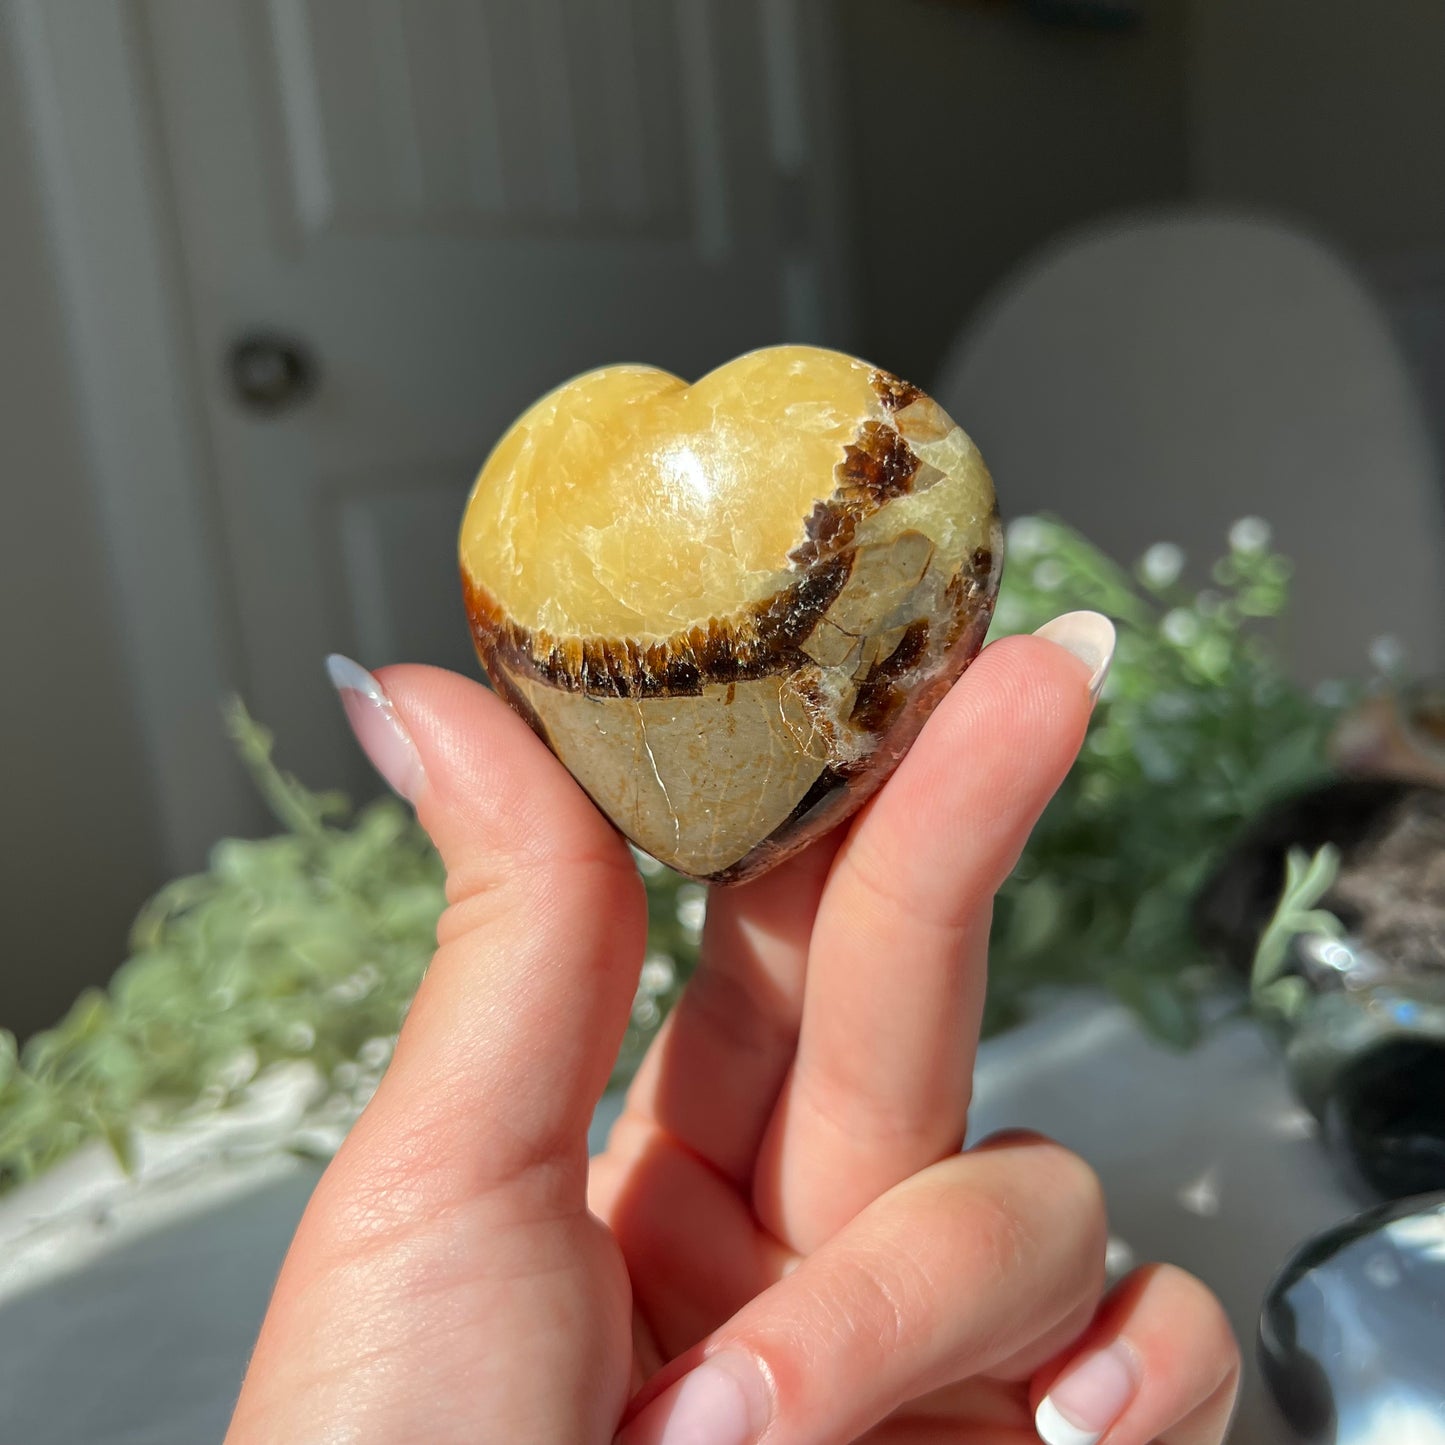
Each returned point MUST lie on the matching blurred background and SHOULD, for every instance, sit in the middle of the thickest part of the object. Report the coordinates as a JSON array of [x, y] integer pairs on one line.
[[274, 276]]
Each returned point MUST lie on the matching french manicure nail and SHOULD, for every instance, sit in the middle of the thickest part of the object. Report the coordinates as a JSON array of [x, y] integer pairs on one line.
[[1090, 637], [377, 727], [1087, 1399], [724, 1401]]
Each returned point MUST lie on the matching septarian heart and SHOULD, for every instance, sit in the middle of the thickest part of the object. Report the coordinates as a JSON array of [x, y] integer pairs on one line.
[[729, 607]]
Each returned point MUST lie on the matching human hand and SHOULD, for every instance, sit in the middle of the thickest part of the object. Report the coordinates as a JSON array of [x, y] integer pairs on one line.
[[784, 1243]]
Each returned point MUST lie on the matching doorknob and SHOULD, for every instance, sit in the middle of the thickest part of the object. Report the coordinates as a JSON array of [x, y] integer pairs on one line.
[[270, 372]]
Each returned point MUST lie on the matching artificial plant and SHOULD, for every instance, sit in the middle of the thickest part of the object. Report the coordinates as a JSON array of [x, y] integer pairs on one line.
[[309, 945]]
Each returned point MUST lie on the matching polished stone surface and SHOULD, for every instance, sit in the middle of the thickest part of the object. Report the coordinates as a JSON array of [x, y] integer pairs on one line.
[[1368, 1059], [1352, 1335], [729, 606]]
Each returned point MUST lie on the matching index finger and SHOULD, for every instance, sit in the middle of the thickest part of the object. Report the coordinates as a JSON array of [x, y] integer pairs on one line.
[[528, 994], [879, 1087]]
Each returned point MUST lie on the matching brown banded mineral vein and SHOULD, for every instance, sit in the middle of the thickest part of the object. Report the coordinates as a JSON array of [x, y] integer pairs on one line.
[[729, 607]]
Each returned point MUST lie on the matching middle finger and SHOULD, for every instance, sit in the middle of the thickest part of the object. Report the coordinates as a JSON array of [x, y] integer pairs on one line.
[[879, 1087], [712, 1076]]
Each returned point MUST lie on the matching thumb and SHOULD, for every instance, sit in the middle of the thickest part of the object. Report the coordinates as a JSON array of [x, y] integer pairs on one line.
[[514, 1031]]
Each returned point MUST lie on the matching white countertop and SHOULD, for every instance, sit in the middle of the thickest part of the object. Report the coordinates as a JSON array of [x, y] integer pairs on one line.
[[127, 1308]]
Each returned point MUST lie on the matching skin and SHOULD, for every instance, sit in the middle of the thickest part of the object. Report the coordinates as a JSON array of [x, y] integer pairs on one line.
[[785, 1186]]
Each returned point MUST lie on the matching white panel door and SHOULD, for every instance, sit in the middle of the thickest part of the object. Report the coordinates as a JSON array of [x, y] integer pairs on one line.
[[449, 206]]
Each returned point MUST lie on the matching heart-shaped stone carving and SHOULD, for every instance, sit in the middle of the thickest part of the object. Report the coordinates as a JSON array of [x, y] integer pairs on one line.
[[729, 607]]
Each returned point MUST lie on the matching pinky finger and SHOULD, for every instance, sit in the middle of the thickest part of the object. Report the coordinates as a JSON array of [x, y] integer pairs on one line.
[[1159, 1363]]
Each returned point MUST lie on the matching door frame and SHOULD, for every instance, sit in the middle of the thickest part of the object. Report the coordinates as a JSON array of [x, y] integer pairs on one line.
[[100, 163], [110, 216]]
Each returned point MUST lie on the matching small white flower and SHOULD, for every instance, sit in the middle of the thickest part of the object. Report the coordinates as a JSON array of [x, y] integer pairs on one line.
[[1007, 615], [1180, 626], [645, 1013], [238, 1070], [1387, 653], [376, 1053], [1250, 534], [1162, 564], [299, 1037], [1027, 537], [658, 974], [1173, 706], [1156, 762], [691, 909], [1049, 575], [356, 986]]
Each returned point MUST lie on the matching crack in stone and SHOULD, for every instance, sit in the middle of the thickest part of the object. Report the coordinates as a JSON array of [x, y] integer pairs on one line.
[[656, 773]]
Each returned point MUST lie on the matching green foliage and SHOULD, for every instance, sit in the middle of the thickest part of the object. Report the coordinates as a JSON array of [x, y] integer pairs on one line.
[[1278, 994], [309, 945], [305, 946], [1198, 729]]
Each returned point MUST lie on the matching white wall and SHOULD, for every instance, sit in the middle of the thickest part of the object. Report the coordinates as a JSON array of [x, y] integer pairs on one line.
[[1329, 109], [1332, 112], [977, 134], [81, 850]]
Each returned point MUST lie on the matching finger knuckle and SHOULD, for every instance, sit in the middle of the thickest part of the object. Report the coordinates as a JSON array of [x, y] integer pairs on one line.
[[871, 1308], [506, 882], [988, 1234], [357, 1213], [938, 909], [1067, 1178], [1078, 1188], [839, 1097], [1208, 1325], [734, 1007], [1079, 1196], [1074, 1226]]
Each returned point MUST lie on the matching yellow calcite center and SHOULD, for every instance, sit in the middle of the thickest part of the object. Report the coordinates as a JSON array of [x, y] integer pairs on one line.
[[728, 607], [628, 503]]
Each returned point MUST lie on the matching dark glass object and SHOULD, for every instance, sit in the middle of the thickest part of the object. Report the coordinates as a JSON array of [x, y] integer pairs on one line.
[[1366, 1049], [1388, 1117], [1352, 1335]]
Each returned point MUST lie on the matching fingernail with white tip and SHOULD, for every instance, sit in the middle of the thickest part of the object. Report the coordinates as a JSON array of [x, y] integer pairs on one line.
[[378, 729], [1088, 1398], [1090, 637], [724, 1401]]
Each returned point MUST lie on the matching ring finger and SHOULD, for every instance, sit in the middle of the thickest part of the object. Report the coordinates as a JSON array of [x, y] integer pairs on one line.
[[1159, 1363], [955, 1272]]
